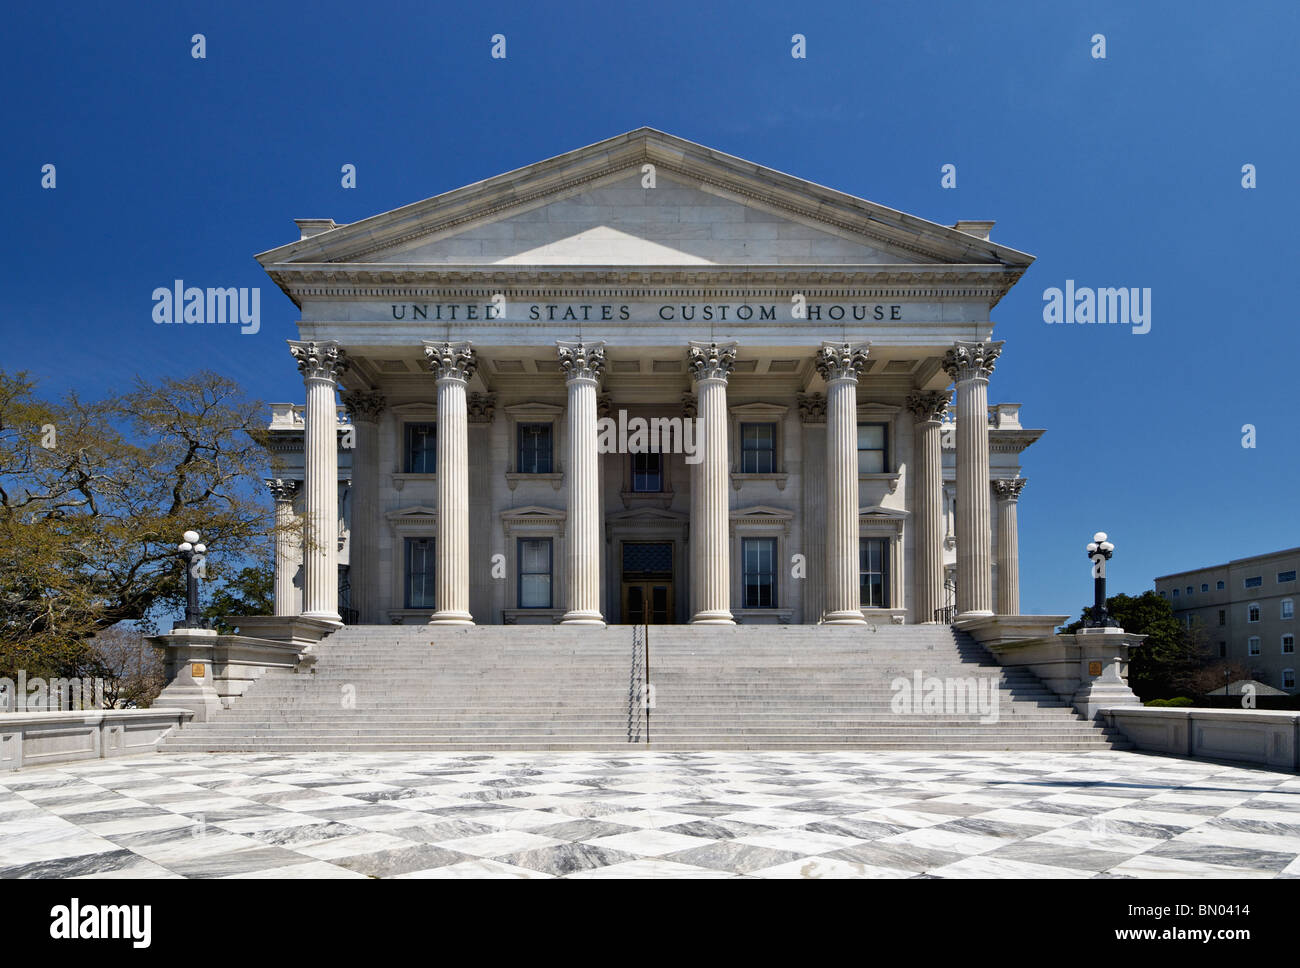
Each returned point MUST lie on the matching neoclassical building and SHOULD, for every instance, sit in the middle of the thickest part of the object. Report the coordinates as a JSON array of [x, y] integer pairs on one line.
[[646, 381]]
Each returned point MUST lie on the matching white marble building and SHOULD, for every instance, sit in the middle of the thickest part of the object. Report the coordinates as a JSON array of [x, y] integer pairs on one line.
[[488, 345]]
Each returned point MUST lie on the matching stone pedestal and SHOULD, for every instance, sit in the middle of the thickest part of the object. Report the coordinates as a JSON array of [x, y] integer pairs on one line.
[[190, 671], [968, 365], [582, 364], [320, 364], [710, 363], [840, 364], [453, 364]]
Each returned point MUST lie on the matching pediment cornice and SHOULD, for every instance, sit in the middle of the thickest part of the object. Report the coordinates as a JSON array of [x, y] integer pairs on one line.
[[914, 239]]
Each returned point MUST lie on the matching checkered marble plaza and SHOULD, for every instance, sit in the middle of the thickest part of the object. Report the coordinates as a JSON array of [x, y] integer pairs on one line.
[[651, 814]]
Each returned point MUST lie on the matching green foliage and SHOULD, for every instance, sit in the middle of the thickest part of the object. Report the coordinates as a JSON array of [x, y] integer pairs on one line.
[[1178, 701], [1164, 665], [250, 592]]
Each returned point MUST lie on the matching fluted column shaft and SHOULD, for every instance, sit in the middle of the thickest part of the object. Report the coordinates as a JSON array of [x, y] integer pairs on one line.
[[582, 364], [320, 364], [840, 364], [1008, 495], [365, 408], [453, 364], [927, 513], [710, 364], [286, 546], [969, 365]]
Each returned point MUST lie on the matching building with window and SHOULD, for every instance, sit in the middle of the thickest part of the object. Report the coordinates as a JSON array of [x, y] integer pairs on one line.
[[1246, 610], [646, 381]]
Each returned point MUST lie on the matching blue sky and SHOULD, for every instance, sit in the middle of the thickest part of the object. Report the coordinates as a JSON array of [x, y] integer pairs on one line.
[[1117, 172]]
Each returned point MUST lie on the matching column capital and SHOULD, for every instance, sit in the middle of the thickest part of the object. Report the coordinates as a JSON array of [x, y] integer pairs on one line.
[[481, 408], [1009, 489], [928, 405], [364, 405], [451, 360], [708, 360], [812, 408], [324, 360], [282, 489], [970, 359], [841, 361], [581, 361]]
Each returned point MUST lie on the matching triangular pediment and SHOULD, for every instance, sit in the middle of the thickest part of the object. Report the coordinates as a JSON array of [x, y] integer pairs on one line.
[[591, 207]]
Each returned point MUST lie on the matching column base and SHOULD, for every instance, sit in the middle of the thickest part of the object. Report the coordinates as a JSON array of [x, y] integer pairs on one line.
[[334, 617], [714, 617], [583, 617], [451, 618], [845, 617]]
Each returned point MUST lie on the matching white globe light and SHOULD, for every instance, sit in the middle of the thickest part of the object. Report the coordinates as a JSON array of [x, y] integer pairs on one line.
[[1107, 546], [1099, 537], [184, 546], [193, 536], [1092, 547], [200, 548]]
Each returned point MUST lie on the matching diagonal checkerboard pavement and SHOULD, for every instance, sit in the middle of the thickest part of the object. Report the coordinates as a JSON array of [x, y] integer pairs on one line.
[[650, 814]]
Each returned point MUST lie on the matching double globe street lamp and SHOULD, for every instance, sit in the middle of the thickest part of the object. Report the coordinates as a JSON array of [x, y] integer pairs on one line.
[[1099, 551], [188, 551]]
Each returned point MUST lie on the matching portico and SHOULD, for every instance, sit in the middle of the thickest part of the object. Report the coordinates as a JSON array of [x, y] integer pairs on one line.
[[790, 349]]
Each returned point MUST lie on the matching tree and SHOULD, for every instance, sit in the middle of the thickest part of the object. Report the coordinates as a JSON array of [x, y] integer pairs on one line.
[[132, 669], [1161, 667], [250, 592], [94, 497]]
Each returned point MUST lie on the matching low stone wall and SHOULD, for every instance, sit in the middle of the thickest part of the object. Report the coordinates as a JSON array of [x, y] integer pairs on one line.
[[1265, 737], [32, 739]]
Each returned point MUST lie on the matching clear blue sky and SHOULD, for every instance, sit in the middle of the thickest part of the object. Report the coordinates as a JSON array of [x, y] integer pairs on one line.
[[1117, 172]]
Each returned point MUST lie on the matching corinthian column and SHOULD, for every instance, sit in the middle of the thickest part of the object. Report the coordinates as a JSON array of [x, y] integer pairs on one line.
[[927, 515], [710, 363], [286, 545], [365, 407], [968, 365], [1008, 493], [453, 364], [320, 365], [582, 364], [840, 364]]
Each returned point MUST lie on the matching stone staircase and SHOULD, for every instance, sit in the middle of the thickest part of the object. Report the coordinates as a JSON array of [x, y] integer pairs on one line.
[[495, 688]]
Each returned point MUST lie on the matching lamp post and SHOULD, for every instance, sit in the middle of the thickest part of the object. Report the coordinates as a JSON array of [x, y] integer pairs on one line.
[[188, 550], [1099, 551]]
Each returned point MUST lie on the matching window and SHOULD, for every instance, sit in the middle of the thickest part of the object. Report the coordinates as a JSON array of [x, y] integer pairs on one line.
[[1223, 616], [647, 473], [872, 448], [534, 448], [1285, 576], [1288, 608], [1252, 612], [419, 573], [1162, 594], [1223, 650], [873, 572], [759, 571], [1205, 587], [1219, 586], [1189, 589], [1254, 582], [421, 448], [535, 560], [1252, 645], [758, 448], [1175, 593], [1288, 678], [1288, 644]]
